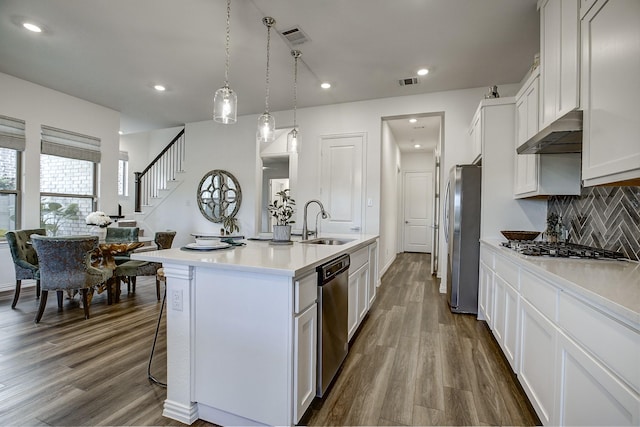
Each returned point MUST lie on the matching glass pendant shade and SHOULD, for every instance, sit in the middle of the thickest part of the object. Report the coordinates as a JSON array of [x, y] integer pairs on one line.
[[225, 100], [225, 106], [266, 128], [293, 141]]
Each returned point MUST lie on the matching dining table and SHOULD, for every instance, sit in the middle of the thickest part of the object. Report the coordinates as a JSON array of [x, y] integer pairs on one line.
[[103, 257]]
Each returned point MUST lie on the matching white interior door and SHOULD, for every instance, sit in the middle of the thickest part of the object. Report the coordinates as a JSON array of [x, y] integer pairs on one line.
[[341, 181], [418, 211]]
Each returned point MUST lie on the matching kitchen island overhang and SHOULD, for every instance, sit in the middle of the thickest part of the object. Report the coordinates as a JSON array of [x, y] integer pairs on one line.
[[230, 329]]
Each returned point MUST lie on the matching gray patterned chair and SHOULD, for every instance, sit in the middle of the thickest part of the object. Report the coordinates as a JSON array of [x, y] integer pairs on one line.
[[65, 265], [131, 269], [25, 259], [122, 234]]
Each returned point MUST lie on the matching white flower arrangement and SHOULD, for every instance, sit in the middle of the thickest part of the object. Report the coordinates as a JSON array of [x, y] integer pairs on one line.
[[98, 218]]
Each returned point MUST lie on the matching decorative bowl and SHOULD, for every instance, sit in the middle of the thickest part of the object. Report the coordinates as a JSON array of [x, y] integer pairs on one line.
[[520, 235], [207, 241]]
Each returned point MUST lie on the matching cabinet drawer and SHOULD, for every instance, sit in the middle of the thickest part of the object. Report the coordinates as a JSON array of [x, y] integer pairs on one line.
[[306, 292], [358, 259], [508, 271], [615, 344], [487, 257], [541, 294]]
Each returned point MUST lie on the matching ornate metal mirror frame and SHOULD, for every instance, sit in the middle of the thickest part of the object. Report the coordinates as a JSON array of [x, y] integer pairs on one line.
[[219, 195]]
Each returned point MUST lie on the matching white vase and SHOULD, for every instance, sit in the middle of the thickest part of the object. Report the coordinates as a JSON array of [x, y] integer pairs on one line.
[[281, 233], [101, 232]]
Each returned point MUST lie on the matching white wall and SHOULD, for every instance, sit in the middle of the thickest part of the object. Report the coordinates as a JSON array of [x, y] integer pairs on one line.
[[38, 105], [389, 186], [219, 146]]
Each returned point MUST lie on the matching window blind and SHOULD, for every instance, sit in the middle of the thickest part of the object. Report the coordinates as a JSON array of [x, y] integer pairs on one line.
[[12, 133], [124, 155], [64, 143]]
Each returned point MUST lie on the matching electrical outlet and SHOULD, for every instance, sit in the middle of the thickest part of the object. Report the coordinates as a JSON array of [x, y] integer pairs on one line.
[[176, 300]]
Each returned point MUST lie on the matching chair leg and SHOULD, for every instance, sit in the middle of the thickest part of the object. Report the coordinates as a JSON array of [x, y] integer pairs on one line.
[[43, 303], [110, 287], [37, 288], [17, 294], [133, 284], [85, 301], [60, 295], [118, 290], [157, 288]]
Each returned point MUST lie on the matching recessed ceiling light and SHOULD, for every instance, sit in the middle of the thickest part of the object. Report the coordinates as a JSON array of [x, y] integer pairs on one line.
[[160, 88], [416, 146], [325, 85], [423, 72], [413, 120], [120, 132], [32, 27]]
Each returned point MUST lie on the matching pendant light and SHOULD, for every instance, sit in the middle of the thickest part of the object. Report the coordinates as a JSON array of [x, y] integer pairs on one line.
[[225, 101], [293, 138], [266, 122]]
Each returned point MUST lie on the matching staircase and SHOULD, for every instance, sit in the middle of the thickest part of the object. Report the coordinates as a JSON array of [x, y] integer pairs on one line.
[[157, 181]]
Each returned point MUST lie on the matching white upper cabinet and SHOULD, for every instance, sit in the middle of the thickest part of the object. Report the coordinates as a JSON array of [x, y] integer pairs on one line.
[[559, 58], [610, 92], [475, 136], [538, 175]]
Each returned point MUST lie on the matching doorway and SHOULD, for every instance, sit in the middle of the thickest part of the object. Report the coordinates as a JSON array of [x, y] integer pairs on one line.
[[412, 143], [418, 209]]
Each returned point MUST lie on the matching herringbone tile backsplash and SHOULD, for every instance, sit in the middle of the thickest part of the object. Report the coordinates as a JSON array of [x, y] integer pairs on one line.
[[604, 217]]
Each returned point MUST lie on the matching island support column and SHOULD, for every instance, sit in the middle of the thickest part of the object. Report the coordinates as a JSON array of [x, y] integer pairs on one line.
[[179, 404]]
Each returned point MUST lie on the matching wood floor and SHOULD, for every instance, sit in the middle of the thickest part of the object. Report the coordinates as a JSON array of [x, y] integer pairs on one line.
[[412, 363]]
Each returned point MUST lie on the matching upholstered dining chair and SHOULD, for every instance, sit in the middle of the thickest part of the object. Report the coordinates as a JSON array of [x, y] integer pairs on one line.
[[131, 269], [122, 234], [25, 259], [65, 264]]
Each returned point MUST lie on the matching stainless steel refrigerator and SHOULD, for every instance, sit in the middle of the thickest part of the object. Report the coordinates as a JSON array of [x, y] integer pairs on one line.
[[462, 234]]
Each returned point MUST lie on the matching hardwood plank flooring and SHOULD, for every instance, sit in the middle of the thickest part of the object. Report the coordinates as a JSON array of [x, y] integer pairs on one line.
[[424, 365], [412, 362]]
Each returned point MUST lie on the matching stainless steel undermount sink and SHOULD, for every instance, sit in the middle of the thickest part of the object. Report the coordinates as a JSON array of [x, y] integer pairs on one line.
[[327, 241]]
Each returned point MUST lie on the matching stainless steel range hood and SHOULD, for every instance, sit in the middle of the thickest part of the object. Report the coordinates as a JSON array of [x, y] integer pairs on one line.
[[562, 136]]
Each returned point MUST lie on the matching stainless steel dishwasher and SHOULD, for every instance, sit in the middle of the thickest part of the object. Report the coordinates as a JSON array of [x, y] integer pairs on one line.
[[333, 306]]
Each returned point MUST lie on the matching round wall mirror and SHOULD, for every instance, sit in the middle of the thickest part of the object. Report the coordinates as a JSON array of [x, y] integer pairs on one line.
[[219, 195]]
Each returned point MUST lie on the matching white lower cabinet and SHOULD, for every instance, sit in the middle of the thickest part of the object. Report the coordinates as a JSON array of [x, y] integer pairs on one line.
[[304, 359], [537, 360], [358, 301], [485, 293], [577, 364], [588, 394], [305, 343], [373, 272], [510, 306]]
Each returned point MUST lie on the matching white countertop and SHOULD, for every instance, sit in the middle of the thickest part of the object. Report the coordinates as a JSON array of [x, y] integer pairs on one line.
[[261, 256], [612, 284]]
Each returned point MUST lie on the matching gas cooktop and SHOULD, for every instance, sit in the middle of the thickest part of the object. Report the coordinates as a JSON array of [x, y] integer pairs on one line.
[[560, 249]]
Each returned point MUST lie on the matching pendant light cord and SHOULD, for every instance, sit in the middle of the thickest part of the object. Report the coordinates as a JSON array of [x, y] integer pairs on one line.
[[155, 338], [268, 22], [296, 55], [228, 38]]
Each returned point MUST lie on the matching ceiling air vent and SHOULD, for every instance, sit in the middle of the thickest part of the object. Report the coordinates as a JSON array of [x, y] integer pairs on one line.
[[295, 36], [408, 82]]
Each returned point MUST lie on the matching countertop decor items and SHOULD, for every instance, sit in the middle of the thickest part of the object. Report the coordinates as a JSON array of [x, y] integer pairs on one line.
[[520, 235], [98, 218], [282, 211]]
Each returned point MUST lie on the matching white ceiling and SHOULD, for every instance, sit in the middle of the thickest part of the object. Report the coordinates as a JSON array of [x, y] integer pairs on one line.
[[112, 52]]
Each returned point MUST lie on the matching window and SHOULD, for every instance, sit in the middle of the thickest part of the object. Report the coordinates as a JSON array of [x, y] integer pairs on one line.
[[12, 143], [68, 170], [123, 174]]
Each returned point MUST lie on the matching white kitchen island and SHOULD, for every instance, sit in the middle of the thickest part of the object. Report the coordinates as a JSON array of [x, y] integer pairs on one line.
[[241, 330]]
